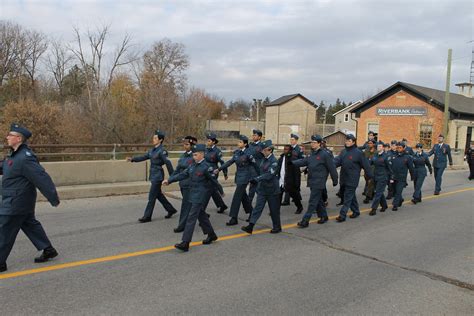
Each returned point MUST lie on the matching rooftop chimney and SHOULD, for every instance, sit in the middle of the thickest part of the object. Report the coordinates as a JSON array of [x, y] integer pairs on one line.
[[466, 89]]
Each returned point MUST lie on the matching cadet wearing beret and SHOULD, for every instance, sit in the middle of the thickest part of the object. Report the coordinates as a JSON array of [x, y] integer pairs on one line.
[[442, 153], [391, 154], [158, 157], [401, 163], [255, 148], [213, 157], [203, 182], [421, 161], [382, 174], [22, 174], [245, 162]]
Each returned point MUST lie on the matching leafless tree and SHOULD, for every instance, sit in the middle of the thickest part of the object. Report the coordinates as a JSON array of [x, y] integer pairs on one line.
[[10, 34], [58, 63]]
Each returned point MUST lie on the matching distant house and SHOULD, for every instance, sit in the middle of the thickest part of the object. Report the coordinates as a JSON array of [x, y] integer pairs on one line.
[[344, 121], [288, 114]]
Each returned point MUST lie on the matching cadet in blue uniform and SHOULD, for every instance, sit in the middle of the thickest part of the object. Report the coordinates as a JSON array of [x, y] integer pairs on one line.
[[255, 149], [382, 174], [320, 164], [351, 160], [390, 154], [244, 162], [213, 157], [203, 182], [442, 153], [371, 137], [296, 153], [288, 177], [268, 190], [408, 149], [22, 174], [420, 161], [158, 157], [184, 162], [470, 160], [400, 164]]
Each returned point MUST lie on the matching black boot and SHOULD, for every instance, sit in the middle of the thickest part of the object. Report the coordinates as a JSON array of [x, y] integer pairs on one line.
[[394, 208], [323, 220], [414, 201], [171, 213], [383, 209], [3, 267], [178, 230], [353, 215], [233, 221], [183, 246], [275, 231], [303, 224], [211, 237], [222, 209], [144, 219], [47, 254], [248, 229], [340, 203], [340, 219], [373, 212]]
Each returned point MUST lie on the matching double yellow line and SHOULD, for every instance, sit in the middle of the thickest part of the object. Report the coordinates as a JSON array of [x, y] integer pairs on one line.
[[168, 248]]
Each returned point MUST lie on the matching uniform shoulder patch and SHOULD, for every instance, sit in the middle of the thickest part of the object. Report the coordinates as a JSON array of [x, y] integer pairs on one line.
[[165, 153], [210, 169], [28, 153]]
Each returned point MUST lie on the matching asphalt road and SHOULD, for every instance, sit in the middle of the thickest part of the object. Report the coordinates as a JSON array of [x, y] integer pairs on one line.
[[418, 260]]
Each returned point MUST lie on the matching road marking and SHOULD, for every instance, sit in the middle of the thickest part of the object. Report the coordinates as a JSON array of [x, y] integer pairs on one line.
[[168, 248]]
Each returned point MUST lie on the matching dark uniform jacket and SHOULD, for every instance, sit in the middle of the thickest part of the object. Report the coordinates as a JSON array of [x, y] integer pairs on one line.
[[202, 181], [441, 155], [158, 157], [381, 164], [184, 162], [245, 163], [255, 149], [22, 174], [213, 156], [268, 181], [409, 150], [421, 161], [352, 160], [320, 164], [470, 156], [401, 164]]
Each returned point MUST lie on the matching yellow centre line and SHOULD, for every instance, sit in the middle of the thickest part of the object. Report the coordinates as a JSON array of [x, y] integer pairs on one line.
[[168, 248]]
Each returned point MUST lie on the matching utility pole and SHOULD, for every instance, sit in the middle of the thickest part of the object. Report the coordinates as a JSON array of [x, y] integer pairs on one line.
[[258, 103], [446, 95]]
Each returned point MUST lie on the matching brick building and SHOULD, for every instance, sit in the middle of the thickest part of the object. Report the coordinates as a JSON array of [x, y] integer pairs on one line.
[[414, 112]]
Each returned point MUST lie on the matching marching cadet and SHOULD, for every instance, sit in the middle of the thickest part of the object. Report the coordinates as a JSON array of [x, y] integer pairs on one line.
[[22, 174], [351, 160], [420, 161], [213, 157], [369, 189], [391, 153], [202, 183], [371, 137], [408, 149], [268, 190], [442, 153], [287, 178], [158, 157], [185, 160], [382, 174], [400, 164], [255, 149], [320, 164], [470, 160], [296, 153], [244, 162]]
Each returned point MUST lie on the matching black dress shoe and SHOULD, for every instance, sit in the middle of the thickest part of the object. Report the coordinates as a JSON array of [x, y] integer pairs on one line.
[[354, 215], [144, 219], [233, 221], [340, 203], [210, 239], [394, 208], [299, 210], [171, 213], [183, 246], [275, 231], [436, 193], [222, 209], [248, 218], [178, 230], [47, 254], [414, 201], [366, 200], [383, 209], [340, 219], [323, 220], [285, 203], [303, 224], [389, 197], [248, 229], [3, 267], [373, 212]]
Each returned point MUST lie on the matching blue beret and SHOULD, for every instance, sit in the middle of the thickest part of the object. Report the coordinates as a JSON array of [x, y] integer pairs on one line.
[[20, 129], [401, 144], [350, 136], [199, 148], [244, 138], [316, 138], [267, 144], [160, 134], [212, 136], [419, 145], [295, 136], [257, 132]]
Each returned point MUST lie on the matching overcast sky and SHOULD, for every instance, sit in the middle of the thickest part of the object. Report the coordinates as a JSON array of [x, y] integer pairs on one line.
[[252, 49]]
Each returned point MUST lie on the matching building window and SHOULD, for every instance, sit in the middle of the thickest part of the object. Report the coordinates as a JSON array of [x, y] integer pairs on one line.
[[346, 117], [426, 133]]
